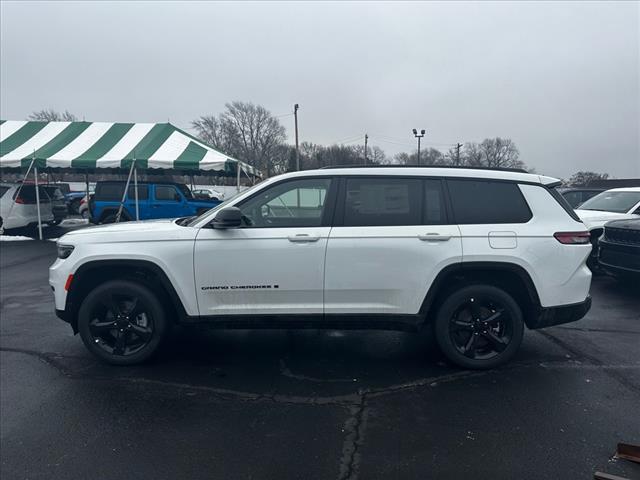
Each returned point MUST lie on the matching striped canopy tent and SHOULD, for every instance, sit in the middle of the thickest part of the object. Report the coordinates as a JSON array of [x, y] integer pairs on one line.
[[84, 146]]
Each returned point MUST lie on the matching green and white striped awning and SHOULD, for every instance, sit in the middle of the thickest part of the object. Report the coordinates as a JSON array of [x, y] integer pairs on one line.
[[90, 145]]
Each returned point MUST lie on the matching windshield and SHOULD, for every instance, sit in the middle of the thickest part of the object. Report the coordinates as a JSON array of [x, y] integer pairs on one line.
[[185, 190], [221, 206], [618, 202]]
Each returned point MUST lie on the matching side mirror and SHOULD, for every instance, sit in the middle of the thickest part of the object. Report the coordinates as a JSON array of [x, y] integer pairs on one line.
[[230, 217]]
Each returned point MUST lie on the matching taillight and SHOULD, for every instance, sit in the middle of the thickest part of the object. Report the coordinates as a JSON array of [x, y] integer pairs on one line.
[[20, 200], [572, 238]]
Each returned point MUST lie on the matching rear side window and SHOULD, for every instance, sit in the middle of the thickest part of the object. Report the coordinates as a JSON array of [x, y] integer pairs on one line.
[[485, 201], [383, 201], [109, 191]]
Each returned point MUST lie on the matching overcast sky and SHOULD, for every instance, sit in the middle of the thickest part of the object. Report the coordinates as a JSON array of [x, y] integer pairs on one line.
[[561, 79]]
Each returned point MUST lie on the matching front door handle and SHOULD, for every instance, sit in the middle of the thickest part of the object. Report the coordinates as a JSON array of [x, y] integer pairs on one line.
[[434, 237], [303, 237]]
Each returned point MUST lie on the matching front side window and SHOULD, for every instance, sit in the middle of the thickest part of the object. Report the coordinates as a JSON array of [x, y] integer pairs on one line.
[[298, 203], [143, 192], [167, 193], [486, 202], [618, 202], [382, 202]]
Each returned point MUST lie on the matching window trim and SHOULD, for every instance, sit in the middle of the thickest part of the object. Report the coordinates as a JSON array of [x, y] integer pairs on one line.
[[329, 202]]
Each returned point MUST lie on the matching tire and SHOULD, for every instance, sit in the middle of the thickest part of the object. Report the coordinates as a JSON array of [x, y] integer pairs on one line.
[[479, 327], [122, 322]]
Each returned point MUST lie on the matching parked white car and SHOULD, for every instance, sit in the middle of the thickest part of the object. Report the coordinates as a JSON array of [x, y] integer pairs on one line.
[[207, 193], [476, 255], [18, 207], [614, 204]]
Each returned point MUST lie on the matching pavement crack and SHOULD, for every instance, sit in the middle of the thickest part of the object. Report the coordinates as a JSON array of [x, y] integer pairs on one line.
[[601, 330], [354, 428], [286, 372]]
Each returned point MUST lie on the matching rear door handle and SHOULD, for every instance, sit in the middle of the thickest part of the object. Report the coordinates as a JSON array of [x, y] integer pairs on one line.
[[303, 237], [434, 237]]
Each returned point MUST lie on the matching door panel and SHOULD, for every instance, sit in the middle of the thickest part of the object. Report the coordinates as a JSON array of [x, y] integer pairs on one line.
[[260, 270], [168, 203], [274, 264], [390, 240], [386, 269]]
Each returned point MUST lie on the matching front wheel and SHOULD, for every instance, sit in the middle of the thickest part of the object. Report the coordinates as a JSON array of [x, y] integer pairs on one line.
[[479, 327], [122, 322]]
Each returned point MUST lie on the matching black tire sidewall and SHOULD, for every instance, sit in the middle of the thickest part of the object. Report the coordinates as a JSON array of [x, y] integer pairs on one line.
[[130, 288], [453, 301]]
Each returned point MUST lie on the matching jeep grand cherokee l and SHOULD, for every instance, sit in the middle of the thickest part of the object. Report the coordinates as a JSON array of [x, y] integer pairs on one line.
[[477, 255]]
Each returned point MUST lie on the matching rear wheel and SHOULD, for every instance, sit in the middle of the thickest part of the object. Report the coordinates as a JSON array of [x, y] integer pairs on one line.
[[122, 322], [479, 326]]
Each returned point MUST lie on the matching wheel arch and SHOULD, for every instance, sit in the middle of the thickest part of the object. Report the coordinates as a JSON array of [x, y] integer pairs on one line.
[[113, 211], [95, 272], [512, 278]]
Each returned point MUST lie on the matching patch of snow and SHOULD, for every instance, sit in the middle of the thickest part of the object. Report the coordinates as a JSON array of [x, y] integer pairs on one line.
[[14, 238], [70, 222]]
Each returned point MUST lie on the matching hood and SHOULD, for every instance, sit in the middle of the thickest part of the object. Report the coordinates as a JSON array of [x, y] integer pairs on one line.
[[595, 218], [147, 230]]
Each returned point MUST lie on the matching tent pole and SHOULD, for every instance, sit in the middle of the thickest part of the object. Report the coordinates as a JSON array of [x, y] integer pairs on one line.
[[126, 188], [135, 187], [86, 182], [35, 176]]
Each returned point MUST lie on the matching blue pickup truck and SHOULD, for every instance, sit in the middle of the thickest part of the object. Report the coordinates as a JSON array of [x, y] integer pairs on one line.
[[155, 200]]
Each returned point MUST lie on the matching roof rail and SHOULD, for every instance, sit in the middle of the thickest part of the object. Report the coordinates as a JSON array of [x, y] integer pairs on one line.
[[499, 169]]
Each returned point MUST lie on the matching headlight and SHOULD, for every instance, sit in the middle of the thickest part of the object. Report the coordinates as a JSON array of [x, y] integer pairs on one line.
[[64, 251]]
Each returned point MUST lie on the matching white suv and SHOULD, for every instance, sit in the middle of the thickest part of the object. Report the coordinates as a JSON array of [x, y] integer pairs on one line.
[[474, 254]]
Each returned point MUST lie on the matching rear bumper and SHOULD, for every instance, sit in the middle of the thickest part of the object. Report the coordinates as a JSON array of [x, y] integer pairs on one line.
[[557, 315]]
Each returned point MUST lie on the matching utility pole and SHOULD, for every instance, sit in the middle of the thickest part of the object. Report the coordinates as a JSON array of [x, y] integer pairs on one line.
[[419, 137], [366, 139], [458, 147], [295, 115]]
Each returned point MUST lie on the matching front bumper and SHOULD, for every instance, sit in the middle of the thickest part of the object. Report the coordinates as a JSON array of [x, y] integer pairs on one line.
[[557, 315], [618, 257]]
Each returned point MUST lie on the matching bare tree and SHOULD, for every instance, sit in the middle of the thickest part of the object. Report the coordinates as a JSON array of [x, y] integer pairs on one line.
[[50, 115], [246, 131], [585, 178], [493, 153]]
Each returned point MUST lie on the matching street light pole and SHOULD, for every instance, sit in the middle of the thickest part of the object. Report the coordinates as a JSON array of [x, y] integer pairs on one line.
[[419, 137]]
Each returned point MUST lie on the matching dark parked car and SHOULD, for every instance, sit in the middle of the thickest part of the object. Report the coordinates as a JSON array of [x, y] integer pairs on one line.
[[58, 204], [577, 196], [619, 247]]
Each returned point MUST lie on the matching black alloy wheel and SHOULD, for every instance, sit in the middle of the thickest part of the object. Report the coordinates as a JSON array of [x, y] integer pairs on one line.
[[479, 326], [122, 322]]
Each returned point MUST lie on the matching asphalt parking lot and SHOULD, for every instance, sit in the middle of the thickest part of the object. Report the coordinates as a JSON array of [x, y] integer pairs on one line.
[[312, 404]]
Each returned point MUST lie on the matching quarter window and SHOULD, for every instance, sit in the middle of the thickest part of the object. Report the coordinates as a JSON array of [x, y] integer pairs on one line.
[[298, 203], [485, 201]]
